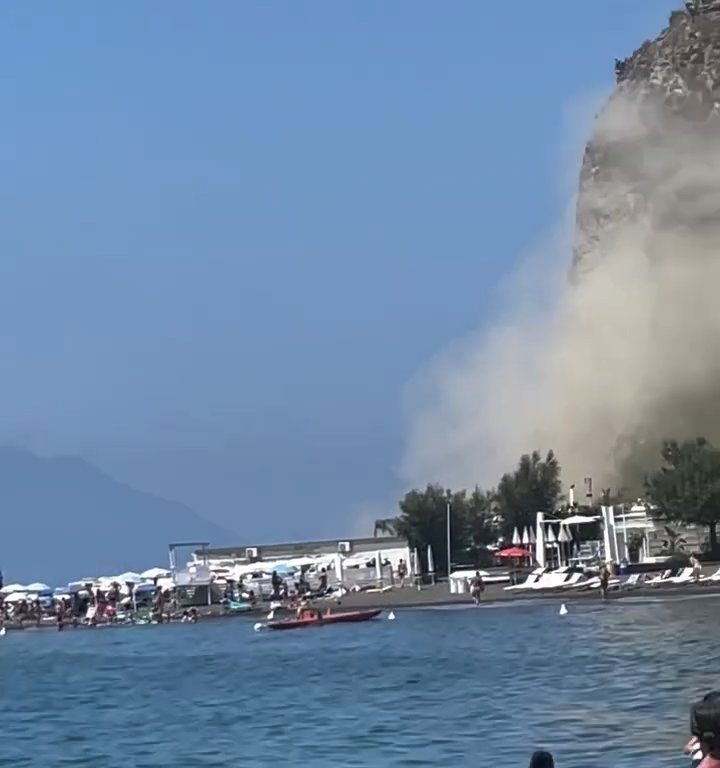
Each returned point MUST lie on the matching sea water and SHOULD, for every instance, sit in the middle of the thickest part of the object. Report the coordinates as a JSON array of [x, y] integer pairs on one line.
[[609, 684]]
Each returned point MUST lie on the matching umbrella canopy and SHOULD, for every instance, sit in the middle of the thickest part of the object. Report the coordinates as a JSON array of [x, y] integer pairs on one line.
[[525, 536], [16, 597], [532, 536], [564, 534], [550, 535], [10, 588], [416, 562], [128, 576], [579, 519], [155, 573], [430, 560], [516, 537], [38, 586], [513, 552]]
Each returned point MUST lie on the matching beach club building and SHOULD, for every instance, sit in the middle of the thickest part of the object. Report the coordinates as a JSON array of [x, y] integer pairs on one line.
[[629, 532], [359, 562]]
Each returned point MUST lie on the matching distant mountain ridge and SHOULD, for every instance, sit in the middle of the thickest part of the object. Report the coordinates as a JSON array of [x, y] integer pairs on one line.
[[62, 518]]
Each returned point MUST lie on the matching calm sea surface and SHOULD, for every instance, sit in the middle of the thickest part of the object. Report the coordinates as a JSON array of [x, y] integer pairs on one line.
[[607, 685]]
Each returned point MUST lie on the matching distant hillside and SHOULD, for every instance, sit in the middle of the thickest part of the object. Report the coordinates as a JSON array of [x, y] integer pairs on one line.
[[62, 518]]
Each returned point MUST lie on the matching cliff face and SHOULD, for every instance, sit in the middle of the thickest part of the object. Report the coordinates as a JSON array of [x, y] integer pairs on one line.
[[647, 246], [663, 115]]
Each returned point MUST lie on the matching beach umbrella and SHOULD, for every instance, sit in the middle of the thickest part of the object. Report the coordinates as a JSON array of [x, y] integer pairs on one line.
[[513, 552], [430, 560], [532, 536], [579, 519], [16, 597], [563, 539], [38, 587], [516, 537], [128, 576], [10, 588], [525, 536], [550, 538], [417, 566], [155, 573]]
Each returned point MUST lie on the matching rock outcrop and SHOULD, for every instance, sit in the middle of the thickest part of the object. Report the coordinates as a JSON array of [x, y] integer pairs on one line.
[[664, 114]]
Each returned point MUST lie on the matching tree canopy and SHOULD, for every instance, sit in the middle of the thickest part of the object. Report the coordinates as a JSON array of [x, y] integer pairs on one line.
[[686, 489], [533, 487]]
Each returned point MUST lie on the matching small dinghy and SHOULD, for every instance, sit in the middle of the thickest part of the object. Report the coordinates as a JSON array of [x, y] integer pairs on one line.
[[312, 617]]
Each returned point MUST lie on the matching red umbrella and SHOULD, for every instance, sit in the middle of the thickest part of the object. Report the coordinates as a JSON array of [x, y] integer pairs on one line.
[[513, 552]]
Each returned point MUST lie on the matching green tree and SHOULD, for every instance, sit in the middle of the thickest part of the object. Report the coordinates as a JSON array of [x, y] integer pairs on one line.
[[423, 521], [480, 527], [686, 489], [533, 487]]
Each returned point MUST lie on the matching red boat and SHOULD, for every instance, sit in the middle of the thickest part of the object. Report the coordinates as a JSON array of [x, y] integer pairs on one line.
[[311, 617]]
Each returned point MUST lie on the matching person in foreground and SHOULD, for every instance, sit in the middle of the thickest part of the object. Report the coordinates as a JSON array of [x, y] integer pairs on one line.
[[541, 759], [705, 729]]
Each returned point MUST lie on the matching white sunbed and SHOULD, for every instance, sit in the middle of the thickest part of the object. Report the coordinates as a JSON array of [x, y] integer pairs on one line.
[[532, 578], [685, 576], [663, 577], [714, 578], [553, 580]]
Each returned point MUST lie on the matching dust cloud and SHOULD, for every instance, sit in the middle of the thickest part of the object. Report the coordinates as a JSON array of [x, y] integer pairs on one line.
[[600, 356]]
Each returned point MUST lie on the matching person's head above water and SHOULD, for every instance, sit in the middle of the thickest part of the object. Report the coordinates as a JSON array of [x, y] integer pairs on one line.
[[541, 759], [705, 723]]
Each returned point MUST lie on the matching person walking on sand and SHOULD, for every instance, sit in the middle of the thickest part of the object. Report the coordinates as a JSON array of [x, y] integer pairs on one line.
[[696, 567], [402, 572], [477, 587]]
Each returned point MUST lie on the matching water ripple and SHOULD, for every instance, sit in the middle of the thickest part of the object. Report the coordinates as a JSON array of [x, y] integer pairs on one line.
[[605, 685]]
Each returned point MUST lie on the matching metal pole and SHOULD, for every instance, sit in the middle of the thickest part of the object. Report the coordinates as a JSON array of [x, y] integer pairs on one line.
[[449, 546]]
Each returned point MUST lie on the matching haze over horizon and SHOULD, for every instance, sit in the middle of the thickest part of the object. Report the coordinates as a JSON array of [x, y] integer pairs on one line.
[[233, 235]]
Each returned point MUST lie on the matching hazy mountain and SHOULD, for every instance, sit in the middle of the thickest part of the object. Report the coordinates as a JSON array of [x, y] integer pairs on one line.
[[62, 518]]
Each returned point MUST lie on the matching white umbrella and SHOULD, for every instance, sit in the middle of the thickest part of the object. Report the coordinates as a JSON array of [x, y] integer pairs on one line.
[[155, 573], [579, 519], [10, 588], [516, 537], [430, 560], [563, 538], [551, 539], [532, 536], [16, 597], [128, 576], [416, 562], [525, 536], [38, 586]]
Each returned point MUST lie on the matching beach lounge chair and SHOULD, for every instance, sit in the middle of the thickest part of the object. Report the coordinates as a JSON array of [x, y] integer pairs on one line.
[[714, 578], [532, 578], [553, 580], [685, 576], [663, 577], [632, 581]]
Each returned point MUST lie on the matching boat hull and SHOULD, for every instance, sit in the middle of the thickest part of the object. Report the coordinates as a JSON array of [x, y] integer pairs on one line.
[[350, 617]]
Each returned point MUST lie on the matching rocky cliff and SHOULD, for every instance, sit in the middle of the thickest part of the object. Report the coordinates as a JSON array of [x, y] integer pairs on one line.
[[663, 115]]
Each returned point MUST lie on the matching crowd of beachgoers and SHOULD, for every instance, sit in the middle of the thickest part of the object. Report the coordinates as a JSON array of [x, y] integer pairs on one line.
[[157, 596]]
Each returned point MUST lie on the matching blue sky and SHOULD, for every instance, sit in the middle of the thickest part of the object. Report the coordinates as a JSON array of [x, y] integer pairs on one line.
[[232, 232]]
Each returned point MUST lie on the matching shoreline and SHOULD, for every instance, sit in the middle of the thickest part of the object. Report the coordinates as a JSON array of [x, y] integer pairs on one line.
[[408, 598]]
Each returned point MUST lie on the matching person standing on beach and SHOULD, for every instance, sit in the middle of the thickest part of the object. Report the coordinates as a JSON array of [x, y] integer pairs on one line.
[[696, 567], [604, 580], [402, 572], [477, 587]]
